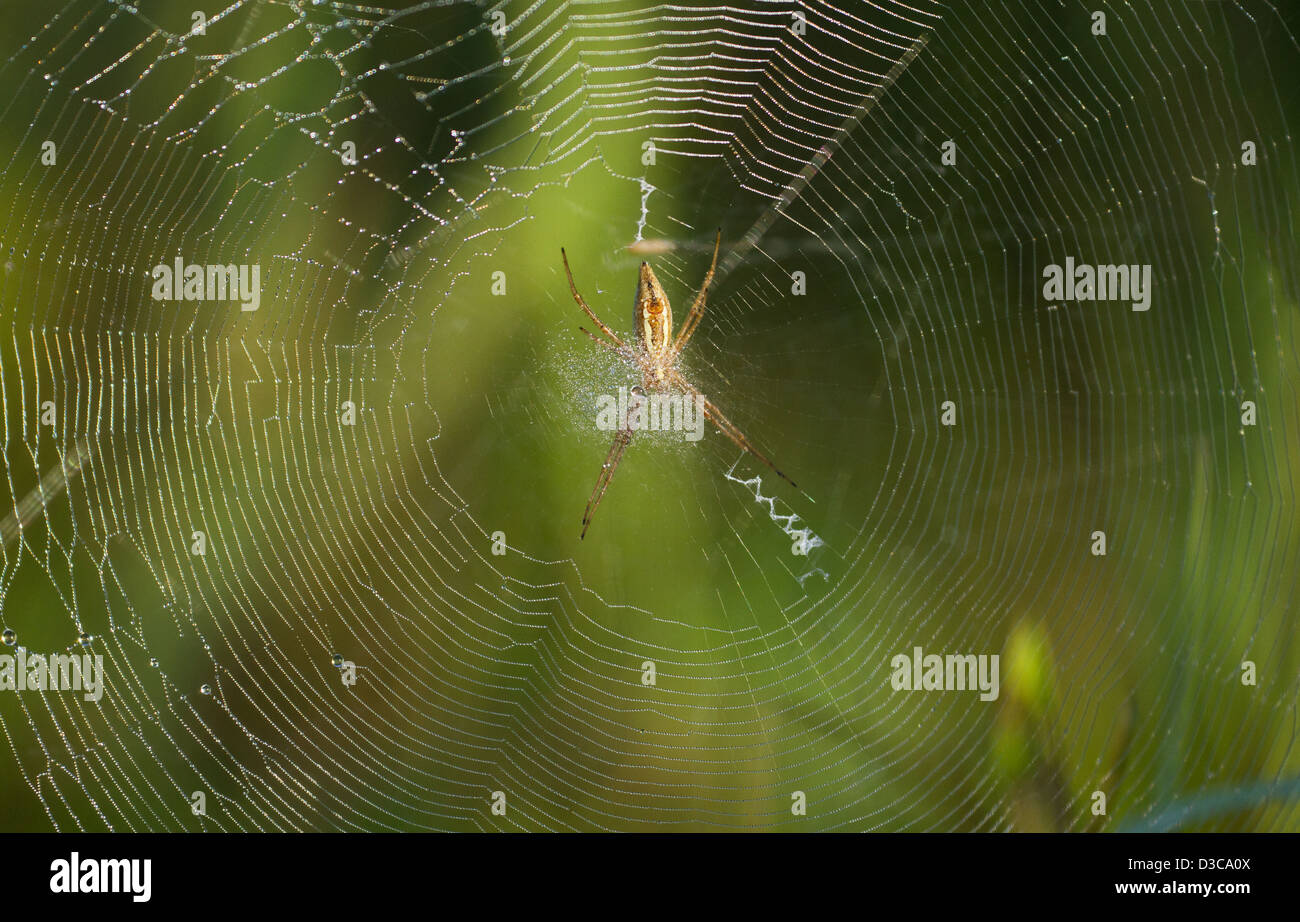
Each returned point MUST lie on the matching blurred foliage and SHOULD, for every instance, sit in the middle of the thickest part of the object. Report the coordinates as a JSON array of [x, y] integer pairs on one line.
[[1121, 674]]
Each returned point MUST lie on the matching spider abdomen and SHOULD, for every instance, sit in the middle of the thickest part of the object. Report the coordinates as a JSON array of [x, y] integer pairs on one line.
[[653, 315]]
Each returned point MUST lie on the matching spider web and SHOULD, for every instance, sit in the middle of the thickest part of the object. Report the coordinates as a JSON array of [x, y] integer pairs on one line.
[[419, 285]]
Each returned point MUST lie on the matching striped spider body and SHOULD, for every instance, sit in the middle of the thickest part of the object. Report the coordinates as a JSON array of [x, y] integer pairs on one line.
[[655, 354]]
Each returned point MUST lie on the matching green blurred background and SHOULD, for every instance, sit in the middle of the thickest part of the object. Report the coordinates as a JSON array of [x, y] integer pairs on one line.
[[522, 672]]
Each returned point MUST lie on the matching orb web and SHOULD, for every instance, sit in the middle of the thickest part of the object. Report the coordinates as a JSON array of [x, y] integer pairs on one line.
[[378, 474]]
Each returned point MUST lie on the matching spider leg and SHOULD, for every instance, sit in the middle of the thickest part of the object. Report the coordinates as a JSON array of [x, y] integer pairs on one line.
[[697, 309], [583, 304], [727, 428], [621, 352], [621, 441]]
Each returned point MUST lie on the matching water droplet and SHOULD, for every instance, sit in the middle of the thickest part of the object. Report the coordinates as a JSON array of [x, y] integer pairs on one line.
[[9, 637], [84, 639], [206, 689], [153, 661], [337, 660]]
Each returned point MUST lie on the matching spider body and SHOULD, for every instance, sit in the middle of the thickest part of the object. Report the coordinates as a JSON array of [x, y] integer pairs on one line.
[[652, 318], [655, 354]]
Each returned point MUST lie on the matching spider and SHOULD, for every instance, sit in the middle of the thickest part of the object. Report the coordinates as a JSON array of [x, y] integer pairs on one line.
[[655, 355]]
